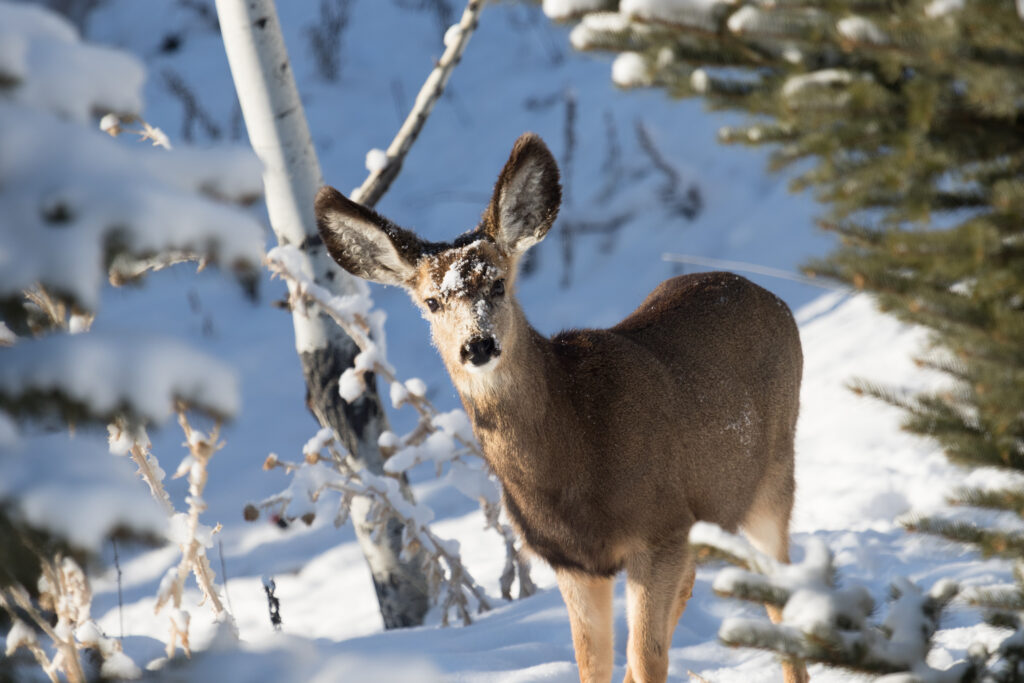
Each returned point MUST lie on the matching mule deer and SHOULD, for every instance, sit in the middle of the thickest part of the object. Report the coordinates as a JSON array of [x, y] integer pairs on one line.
[[610, 443]]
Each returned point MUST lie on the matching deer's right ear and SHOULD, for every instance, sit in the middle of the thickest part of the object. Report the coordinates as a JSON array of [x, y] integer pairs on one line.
[[363, 242], [526, 196]]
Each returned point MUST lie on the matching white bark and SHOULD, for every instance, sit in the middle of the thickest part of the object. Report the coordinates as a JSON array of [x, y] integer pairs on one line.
[[280, 137]]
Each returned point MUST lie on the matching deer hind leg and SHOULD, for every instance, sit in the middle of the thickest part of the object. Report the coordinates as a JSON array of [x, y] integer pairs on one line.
[[685, 593], [767, 527], [656, 594], [589, 600]]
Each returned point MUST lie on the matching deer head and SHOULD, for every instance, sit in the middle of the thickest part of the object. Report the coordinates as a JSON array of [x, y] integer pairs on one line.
[[466, 288]]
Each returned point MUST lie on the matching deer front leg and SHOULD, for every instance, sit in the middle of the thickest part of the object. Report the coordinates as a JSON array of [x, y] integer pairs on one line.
[[589, 599], [655, 597]]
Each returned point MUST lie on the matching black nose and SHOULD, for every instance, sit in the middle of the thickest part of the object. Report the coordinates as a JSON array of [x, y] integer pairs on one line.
[[479, 350]]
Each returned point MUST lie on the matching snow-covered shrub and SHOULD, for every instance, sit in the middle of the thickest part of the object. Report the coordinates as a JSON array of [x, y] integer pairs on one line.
[[78, 207], [823, 621], [63, 590]]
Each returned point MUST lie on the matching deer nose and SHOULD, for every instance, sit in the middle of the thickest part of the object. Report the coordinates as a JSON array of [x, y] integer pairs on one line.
[[479, 350]]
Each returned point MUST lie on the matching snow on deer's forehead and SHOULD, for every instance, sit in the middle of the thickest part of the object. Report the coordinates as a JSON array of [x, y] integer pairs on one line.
[[463, 271]]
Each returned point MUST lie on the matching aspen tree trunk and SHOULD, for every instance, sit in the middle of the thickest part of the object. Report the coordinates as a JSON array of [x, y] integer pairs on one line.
[[280, 137]]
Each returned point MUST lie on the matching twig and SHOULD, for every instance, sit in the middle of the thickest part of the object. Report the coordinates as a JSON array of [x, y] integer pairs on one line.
[[193, 555], [202, 449], [120, 595], [126, 268], [224, 574], [749, 268], [147, 470], [194, 112], [378, 182]]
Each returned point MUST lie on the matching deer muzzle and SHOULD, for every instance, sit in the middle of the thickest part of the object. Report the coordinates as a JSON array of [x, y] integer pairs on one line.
[[479, 351]]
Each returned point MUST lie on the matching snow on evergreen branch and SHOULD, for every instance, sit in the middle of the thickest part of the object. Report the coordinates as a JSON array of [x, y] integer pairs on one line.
[[76, 203], [100, 376], [822, 621]]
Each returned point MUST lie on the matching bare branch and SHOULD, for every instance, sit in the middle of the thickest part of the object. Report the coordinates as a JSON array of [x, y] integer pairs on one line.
[[378, 182]]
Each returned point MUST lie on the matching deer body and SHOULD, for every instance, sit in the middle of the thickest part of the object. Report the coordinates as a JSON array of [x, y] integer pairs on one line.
[[592, 473], [611, 443]]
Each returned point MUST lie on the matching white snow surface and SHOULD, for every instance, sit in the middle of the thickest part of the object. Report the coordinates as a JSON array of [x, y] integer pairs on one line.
[[857, 472]]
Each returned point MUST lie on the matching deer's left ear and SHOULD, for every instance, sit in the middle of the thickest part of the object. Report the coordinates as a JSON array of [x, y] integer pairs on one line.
[[526, 197], [365, 243]]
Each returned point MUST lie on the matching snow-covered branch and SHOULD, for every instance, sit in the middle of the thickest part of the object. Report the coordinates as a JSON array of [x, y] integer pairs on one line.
[[383, 174], [63, 590], [449, 582], [822, 621], [192, 536]]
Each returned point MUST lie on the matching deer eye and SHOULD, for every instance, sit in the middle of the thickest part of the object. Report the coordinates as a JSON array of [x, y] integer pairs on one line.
[[433, 305], [498, 289]]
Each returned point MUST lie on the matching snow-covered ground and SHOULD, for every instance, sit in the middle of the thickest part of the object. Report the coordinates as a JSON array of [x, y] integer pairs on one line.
[[857, 472]]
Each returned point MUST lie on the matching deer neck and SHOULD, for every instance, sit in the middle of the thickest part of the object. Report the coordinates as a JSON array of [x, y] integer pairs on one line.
[[511, 405]]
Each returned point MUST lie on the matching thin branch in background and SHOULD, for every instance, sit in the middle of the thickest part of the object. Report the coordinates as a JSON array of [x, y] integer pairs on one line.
[[193, 111], [327, 38], [687, 202], [120, 594], [569, 132], [273, 603], [742, 266], [224, 574], [456, 39], [612, 167], [570, 229]]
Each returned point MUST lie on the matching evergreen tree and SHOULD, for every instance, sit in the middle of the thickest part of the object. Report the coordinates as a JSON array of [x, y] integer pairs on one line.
[[77, 209], [907, 119]]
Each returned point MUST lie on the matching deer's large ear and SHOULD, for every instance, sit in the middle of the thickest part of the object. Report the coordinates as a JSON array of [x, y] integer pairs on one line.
[[363, 242], [526, 197]]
